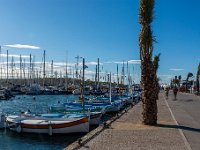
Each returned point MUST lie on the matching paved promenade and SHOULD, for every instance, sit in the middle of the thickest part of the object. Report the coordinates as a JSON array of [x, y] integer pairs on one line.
[[127, 133], [186, 110]]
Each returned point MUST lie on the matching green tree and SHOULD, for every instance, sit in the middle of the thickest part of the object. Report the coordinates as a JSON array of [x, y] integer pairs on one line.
[[189, 75], [148, 71]]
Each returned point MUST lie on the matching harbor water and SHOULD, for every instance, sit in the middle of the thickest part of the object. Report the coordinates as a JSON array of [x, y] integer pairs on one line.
[[26, 141]]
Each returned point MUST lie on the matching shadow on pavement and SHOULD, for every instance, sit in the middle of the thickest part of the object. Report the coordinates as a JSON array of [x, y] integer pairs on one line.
[[188, 100], [179, 127]]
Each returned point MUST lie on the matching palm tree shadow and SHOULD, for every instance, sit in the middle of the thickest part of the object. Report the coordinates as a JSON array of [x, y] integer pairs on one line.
[[179, 127]]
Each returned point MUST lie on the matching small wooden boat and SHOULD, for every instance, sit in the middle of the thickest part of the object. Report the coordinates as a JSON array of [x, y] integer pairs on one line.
[[49, 124], [95, 114]]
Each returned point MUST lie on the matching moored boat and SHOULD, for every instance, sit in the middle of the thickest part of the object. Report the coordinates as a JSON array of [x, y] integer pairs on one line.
[[51, 124], [95, 113]]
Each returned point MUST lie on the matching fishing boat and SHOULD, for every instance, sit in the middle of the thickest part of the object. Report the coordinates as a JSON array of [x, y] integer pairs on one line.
[[79, 107], [5, 94], [94, 116], [76, 109], [76, 92], [48, 124], [34, 89]]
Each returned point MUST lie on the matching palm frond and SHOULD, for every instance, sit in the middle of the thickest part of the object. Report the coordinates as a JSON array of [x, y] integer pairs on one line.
[[156, 61], [146, 38]]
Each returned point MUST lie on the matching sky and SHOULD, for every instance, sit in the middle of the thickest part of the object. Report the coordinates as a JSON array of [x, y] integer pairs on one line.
[[104, 29]]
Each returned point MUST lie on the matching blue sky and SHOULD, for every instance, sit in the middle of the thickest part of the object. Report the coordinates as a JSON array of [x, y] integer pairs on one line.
[[105, 29]]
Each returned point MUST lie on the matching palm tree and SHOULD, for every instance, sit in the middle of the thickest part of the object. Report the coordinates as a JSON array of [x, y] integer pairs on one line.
[[175, 81], [197, 78], [156, 66], [156, 61], [187, 79], [148, 72], [179, 80]]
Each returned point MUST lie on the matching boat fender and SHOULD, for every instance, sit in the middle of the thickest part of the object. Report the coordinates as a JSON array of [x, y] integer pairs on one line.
[[50, 129], [19, 129]]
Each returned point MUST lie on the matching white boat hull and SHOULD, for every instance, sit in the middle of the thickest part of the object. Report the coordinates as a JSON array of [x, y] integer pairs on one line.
[[82, 128], [49, 126]]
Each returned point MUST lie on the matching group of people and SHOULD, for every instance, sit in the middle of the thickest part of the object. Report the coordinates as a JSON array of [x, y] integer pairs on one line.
[[175, 91]]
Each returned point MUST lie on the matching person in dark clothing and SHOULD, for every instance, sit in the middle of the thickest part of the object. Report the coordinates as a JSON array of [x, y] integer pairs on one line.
[[167, 92], [175, 91]]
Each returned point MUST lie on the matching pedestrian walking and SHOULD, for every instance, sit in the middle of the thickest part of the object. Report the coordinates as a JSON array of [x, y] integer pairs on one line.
[[175, 91], [167, 92]]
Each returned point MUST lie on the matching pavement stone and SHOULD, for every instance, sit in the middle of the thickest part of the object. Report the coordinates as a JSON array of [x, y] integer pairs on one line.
[[128, 132]]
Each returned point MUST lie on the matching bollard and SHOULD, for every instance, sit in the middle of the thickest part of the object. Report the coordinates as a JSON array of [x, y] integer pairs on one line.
[[80, 141]]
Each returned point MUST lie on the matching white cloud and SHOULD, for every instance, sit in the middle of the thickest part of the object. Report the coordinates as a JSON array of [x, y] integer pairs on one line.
[[121, 62], [91, 63], [165, 76], [176, 69], [13, 55], [22, 46], [62, 64], [134, 61], [58, 64], [89, 72], [113, 62]]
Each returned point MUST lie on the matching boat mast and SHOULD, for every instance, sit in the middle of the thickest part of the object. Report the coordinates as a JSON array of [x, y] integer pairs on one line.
[[77, 66], [117, 76], [52, 72], [128, 80], [98, 74], [12, 68], [1, 62], [7, 67], [133, 76], [82, 86], [20, 66], [110, 93], [96, 77], [24, 72], [33, 70], [30, 69], [44, 70], [66, 79], [73, 74]]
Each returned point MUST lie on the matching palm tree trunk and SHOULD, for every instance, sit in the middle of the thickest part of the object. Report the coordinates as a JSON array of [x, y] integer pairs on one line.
[[197, 78], [149, 96], [186, 87], [148, 75], [197, 85]]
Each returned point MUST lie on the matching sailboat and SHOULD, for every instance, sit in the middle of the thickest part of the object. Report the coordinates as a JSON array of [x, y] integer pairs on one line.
[[52, 123], [80, 107]]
